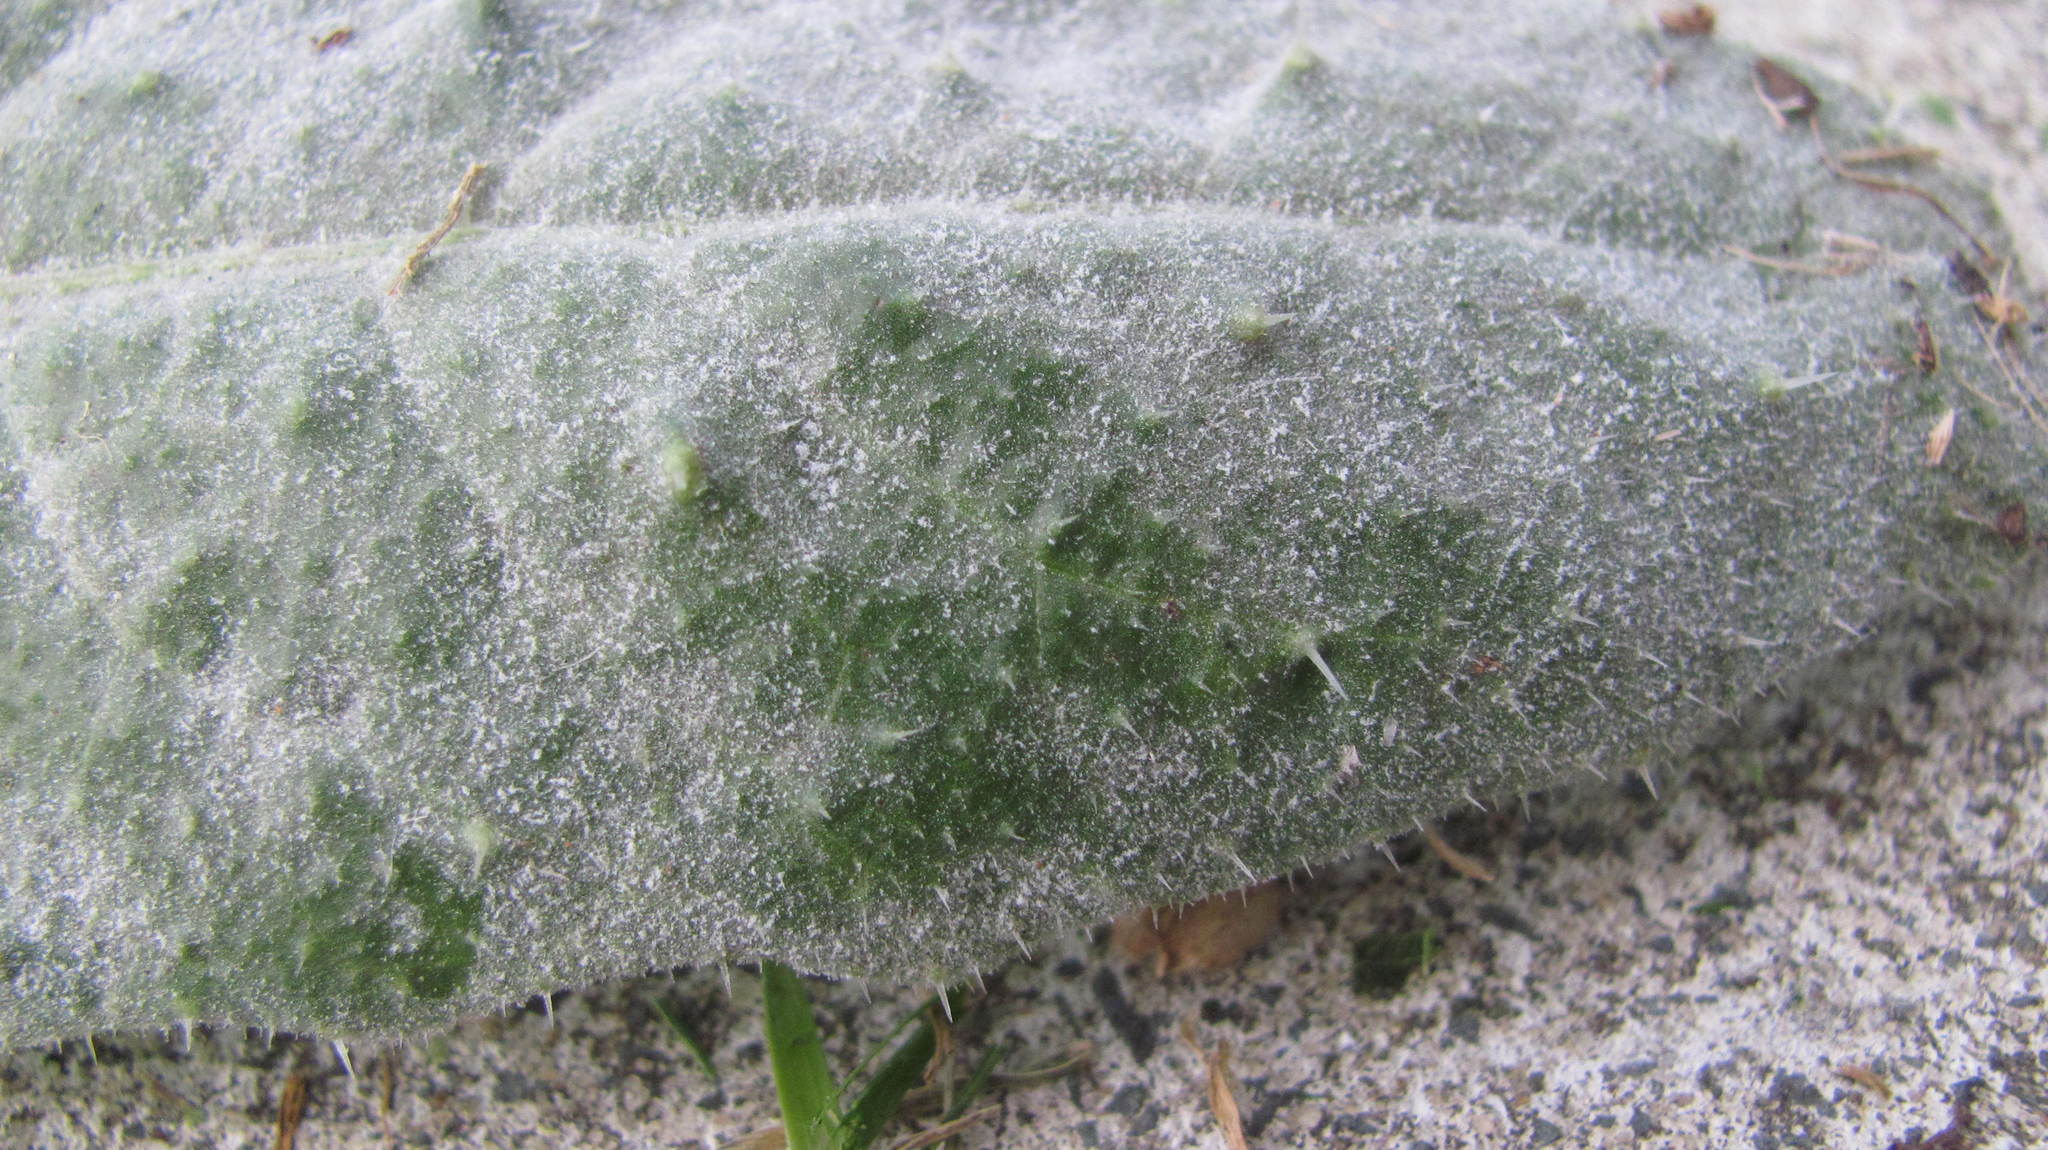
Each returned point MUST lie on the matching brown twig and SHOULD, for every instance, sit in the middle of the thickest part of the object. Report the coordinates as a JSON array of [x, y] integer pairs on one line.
[[1079, 1056], [456, 203], [1880, 184], [1911, 154], [1867, 1078], [387, 1088], [291, 1110], [2032, 401], [944, 1130], [1840, 266], [1454, 858]]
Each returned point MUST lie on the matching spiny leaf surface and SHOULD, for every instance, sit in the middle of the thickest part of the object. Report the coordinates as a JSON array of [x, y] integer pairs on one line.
[[871, 483]]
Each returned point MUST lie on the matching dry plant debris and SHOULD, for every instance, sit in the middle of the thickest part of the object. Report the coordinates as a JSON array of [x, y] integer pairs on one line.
[[1454, 858], [1939, 436], [1905, 153], [2026, 390], [1867, 1078], [2011, 524], [1926, 352], [1222, 1099], [1995, 305], [1692, 20], [1841, 167], [766, 1138], [1785, 96], [1213, 934], [1956, 1135], [334, 39], [291, 1111], [1841, 255], [463, 191], [1078, 1057], [944, 1130]]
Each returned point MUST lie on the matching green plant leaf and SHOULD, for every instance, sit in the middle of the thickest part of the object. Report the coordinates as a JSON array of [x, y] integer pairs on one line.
[[689, 1041], [882, 1097], [865, 484], [976, 1084], [804, 1086]]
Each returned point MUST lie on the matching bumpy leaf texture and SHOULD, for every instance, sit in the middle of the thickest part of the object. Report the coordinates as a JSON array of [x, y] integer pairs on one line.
[[869, 482]]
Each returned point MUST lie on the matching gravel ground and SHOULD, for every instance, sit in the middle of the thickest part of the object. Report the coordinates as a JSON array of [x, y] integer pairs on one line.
[[1829, 930]]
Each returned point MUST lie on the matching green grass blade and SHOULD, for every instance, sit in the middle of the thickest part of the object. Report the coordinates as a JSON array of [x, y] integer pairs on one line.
[[689, 1042], [977, 1084], [917, 1016], [883, 1096], [803, 1083]]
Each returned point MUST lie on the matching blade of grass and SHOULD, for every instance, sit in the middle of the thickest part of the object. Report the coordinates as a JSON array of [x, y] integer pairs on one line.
[[923, 1012], [803, 1083], [689, 1042], [977, 1083], [882, 1097]]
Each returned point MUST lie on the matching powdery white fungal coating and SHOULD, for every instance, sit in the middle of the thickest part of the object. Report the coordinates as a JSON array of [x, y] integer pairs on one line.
[[876, 482]]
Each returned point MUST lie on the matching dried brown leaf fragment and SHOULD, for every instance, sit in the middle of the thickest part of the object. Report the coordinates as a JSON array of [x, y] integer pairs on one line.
[[1691, 20], [1222, 1099], [1969, 280], [1939, 436], [1785, 96], [1867, 1078], [1926, 352], [2011, 524], [2003, 311], [1213, 934]]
